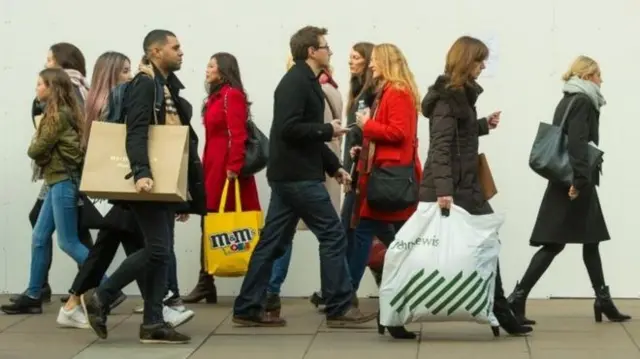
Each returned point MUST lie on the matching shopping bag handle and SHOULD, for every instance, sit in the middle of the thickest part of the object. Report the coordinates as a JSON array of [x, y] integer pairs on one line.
[[225, 192], [445, 212]]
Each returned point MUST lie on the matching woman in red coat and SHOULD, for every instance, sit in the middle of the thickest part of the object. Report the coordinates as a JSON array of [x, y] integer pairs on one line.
[[225, 121], [390, 139]]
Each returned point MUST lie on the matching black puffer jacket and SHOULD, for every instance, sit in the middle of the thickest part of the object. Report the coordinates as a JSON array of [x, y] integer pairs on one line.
[[451, 168]]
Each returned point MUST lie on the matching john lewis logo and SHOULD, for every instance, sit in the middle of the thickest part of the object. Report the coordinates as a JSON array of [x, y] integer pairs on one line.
[[431, 241]]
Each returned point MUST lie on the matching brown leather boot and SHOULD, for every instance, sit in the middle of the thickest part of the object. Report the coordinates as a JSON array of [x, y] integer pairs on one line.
[[205, 289]]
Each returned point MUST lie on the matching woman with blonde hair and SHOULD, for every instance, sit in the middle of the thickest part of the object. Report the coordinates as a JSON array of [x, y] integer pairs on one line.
[[389, 140], [451, 169], [573, 214]]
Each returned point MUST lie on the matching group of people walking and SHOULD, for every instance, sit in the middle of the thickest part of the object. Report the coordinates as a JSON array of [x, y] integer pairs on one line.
[[314, 155]]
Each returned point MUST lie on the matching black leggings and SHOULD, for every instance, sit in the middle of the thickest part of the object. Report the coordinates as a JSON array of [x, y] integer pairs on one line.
[[543, 258], [83, 234]]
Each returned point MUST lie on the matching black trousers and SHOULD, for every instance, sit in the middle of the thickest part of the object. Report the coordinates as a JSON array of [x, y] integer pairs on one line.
[[155, 221], [83, 234], [543, 258], [102, 253]]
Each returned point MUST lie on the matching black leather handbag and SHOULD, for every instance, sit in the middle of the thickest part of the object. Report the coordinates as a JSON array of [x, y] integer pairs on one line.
[[393, 188], [549, 155], [256, 148]]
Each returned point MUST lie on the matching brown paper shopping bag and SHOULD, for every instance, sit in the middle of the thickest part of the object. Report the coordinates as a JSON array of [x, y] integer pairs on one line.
[[486, 178], [107, 170]]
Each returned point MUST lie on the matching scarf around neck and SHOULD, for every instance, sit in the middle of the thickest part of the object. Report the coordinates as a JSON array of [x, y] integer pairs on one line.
[[79, 81], [578, 85], [171, 112]]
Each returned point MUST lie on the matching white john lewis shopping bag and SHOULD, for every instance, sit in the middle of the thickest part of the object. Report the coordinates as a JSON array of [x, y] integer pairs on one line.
[[441, 268]]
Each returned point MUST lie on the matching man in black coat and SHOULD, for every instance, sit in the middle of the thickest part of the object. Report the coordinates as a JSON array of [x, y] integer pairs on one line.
[[298, 160], [163, 56]]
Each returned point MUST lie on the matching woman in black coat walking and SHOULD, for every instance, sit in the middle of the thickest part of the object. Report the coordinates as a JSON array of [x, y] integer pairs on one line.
[[573, 215], [450, 173]]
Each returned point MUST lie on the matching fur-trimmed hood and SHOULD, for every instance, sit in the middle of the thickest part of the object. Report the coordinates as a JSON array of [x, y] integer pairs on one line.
[[458, 100]]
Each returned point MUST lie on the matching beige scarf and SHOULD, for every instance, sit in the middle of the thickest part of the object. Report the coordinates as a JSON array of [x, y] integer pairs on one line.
[[171, 112]]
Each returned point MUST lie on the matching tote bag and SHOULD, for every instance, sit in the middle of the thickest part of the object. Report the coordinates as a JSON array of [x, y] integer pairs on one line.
[[549, 156], [230, 237]]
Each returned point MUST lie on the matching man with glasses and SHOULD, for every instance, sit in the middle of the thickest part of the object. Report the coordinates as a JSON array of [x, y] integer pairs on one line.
[[298, 159]]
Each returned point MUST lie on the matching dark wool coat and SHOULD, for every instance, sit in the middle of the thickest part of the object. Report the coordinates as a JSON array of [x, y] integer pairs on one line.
[[561, 220]]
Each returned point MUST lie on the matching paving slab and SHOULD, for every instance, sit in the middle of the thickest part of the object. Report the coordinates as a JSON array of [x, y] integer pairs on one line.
[[566, 329]]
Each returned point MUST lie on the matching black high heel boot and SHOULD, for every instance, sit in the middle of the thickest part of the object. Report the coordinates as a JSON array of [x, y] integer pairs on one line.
[[507, 319], [518, 302], [604, 305], [396, 332]]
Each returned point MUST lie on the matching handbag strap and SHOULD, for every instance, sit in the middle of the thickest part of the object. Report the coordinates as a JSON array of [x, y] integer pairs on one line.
[[566, 111]]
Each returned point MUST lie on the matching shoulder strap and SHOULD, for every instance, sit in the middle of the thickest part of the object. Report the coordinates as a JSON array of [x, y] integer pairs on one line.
[[567, 110], [158, 96]]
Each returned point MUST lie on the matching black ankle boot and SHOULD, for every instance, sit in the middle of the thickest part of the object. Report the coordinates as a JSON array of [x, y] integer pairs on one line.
[[396, 332], [604, 305], [518, 302], [507, 319]]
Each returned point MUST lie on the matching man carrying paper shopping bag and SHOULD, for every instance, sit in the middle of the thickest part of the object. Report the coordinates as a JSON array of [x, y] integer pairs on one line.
[[163, 56]]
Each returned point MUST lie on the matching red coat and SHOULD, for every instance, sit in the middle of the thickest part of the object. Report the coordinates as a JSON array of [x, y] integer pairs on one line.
[[224, 149], [393, 130]]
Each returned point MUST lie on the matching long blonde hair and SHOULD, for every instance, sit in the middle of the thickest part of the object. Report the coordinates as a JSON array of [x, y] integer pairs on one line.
[[393, 67], [582, 67]]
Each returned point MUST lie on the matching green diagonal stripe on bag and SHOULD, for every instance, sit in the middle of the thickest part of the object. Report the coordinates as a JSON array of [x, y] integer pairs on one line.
[[407, 287], [455, 293], [483, 306], [417, 289], [481, 293], [444, 290], [426, 294], [465, 297]]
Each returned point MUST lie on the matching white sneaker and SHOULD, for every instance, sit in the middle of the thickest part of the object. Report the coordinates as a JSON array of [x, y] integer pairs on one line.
[[176, 318], [139, 309], [75, 318]]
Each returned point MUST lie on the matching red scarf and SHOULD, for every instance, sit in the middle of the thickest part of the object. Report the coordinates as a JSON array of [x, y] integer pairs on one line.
[[325, 78]]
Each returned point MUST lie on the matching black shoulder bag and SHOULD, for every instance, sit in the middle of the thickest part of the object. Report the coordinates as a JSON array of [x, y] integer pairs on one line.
[[549, 155], [256, 147]]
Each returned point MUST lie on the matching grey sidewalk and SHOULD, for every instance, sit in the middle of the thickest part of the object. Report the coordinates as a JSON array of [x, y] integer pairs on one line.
[[566, 330]]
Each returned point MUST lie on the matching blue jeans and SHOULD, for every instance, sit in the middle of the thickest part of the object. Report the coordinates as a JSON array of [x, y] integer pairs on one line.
[[279, 271], [59, 213], [362, 243], [291, 201]]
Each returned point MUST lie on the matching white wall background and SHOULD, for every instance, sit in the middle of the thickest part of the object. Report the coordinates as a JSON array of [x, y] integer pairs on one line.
[[535, 41]]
